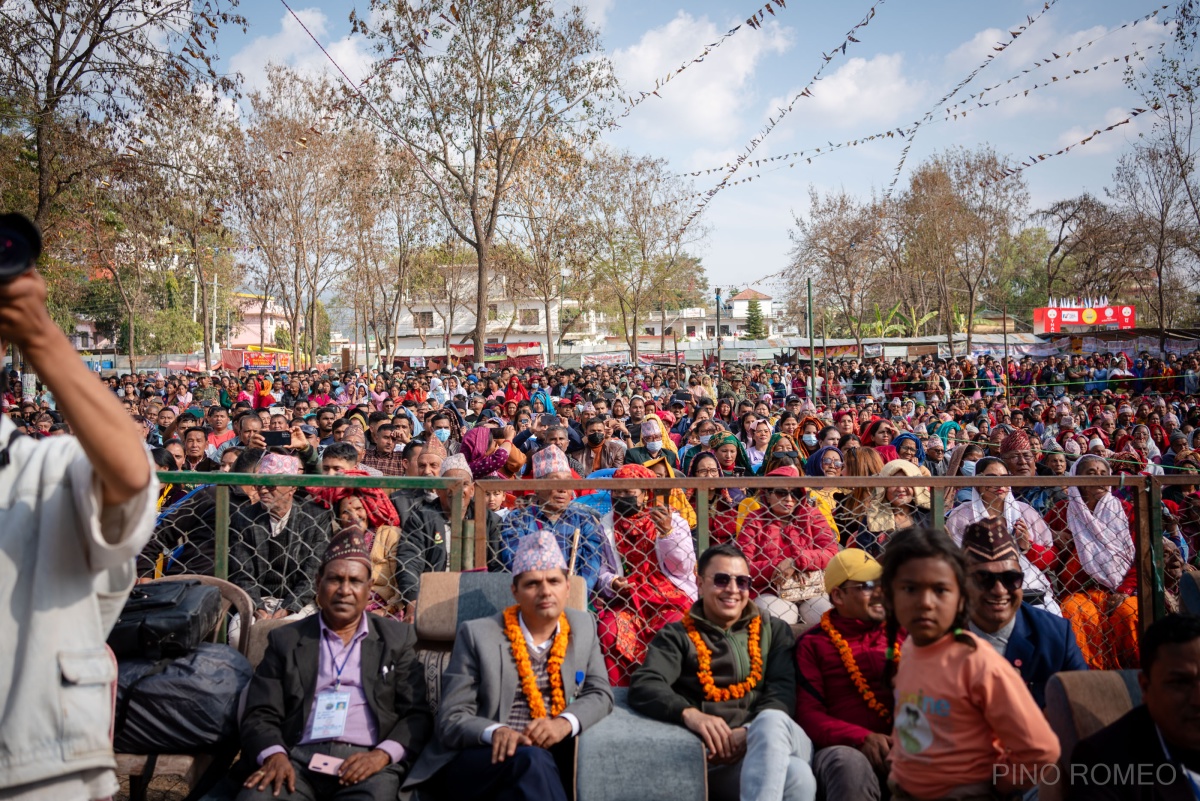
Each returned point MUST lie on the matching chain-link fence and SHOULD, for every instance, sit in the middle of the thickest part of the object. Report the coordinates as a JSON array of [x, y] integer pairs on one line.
[[1108, 553]]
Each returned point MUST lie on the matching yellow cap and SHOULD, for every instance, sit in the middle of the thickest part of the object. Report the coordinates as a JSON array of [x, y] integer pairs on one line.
[[852, 564]]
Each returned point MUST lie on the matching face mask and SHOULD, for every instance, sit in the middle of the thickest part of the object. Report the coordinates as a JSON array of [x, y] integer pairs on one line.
[[442, 434], [968, 468], [654, 446], [704, 438], [534, 385], [625, 506], [809, 439], [595, 438], [431, 495]]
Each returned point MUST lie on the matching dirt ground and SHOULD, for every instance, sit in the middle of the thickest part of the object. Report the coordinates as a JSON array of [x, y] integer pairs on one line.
[[162, 788]]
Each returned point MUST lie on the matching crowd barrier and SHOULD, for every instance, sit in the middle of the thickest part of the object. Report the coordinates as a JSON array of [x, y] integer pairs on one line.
[[1111, 585]]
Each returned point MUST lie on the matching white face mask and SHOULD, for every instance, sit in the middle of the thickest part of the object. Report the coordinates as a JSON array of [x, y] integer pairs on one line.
[[654, 446]]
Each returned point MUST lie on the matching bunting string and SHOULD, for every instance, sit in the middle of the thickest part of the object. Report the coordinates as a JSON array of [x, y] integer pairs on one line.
[[997, 50], [755, 21], [1033, 161], [780, 114]]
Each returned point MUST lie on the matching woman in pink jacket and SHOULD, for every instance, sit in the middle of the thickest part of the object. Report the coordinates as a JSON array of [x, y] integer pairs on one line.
[[787, 543]]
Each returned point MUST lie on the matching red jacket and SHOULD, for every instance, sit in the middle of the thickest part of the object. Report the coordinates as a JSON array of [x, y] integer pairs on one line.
[[828, 706], [805, 537]]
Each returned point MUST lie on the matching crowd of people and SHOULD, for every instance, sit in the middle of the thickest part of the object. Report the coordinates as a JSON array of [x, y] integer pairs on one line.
[[791, 628]]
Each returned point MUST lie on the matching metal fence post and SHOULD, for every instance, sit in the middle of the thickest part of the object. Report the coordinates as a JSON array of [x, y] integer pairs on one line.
[[937, 510], [1147, 518], [455, 557], [221, 534], [481, 513], [702, 520]]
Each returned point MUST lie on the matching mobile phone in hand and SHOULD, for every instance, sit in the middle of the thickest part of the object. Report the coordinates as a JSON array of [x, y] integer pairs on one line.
[[277, 439], [320, 763]]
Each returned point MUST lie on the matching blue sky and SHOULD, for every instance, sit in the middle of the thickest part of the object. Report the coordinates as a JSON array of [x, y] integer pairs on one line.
[[911, 53]]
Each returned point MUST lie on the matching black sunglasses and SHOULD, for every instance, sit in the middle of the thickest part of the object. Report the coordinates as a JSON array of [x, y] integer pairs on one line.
[[721, 580], [1011, 579]]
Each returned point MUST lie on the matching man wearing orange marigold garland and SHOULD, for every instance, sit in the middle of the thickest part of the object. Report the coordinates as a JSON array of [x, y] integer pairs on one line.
[[843, 699], [726, 672], [503, 729]]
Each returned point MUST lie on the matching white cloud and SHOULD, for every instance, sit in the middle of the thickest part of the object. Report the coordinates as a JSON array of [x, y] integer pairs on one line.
[[860, 91], [702, 103], [597, 11], [293, 47]]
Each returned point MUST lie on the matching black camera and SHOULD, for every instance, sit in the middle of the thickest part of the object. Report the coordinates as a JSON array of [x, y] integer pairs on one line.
[[20, 245]]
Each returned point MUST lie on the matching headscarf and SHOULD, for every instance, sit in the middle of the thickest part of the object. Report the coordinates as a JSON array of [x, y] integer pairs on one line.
[[544, 398], [515, 393], [946, 430], [813, 466], [475, 448], [1107, 549], [741, 460], [909, 469], [677, 499], [380, 510], [776, 438], [907, 436], [668, 443]]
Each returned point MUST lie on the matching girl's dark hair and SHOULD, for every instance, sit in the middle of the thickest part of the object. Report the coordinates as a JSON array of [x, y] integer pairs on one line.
[[163, 458], [921, 543]]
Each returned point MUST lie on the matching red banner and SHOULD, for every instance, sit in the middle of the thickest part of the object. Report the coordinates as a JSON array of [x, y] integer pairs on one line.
[[1053, 319]]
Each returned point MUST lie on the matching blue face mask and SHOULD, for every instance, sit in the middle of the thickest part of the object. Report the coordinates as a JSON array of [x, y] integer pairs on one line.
[[704, 438], [967, 468], [443, 434]]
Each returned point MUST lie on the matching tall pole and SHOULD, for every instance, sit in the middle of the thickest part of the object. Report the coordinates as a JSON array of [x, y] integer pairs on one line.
[[812, 360], [718, 330], [825, 358], [1005, 330], [214, 307]]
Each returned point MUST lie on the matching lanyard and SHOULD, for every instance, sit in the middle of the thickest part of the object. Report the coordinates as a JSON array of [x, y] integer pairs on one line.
[[337, 681]]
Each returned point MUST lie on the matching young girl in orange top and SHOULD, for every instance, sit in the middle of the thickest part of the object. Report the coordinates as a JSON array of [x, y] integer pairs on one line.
[[966, 727]]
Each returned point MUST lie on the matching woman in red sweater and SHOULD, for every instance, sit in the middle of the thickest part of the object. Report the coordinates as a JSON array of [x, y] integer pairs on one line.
[[787, 544]]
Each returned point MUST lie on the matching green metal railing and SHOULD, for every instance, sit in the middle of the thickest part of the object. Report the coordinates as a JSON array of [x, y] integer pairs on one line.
[[1146, 498]]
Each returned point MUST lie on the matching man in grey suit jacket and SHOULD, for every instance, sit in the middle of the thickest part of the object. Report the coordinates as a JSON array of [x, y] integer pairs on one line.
[[498, 736]]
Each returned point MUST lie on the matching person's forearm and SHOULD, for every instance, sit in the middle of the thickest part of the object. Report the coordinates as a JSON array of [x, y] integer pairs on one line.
[[97, 418]]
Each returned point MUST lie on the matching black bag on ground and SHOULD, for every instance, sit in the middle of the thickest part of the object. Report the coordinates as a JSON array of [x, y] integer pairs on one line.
[[165, 619], [183, 705]]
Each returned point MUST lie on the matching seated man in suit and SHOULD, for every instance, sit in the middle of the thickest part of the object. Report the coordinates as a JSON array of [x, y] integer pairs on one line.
[[1157, 743], [343, 684], [741, 708], [503, 729], [1037, 643]]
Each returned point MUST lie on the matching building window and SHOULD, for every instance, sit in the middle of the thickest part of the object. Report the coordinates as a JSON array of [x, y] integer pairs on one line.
[[531, 317], [691, 331], [84, 339], [670, 330], [493, 312], [711, 331], [493, 341], [724, 330], [648, 331], [423, 319]]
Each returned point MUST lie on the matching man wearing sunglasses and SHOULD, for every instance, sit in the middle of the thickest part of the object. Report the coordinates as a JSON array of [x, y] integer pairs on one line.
[[755, 750], [1036, 642], [851, 737]]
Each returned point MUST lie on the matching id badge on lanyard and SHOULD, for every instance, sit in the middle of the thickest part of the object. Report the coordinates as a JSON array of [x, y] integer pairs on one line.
[[333, 706]]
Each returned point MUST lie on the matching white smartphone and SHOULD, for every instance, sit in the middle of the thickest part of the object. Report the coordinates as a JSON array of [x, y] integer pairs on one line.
[[320, 763]]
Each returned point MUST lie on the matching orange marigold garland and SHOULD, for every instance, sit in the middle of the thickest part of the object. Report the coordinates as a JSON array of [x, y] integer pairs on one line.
[[856, 676], [558, 652], [711, 691]]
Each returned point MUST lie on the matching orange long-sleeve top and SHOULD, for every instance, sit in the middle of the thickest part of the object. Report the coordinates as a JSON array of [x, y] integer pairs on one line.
[[959, 712]]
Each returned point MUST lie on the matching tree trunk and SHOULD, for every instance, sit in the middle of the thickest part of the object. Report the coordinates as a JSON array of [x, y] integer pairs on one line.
[[203, 305], [482, 251], [549, 335], [970, 317]]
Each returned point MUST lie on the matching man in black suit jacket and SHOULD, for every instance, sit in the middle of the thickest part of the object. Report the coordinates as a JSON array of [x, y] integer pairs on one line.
[[342, 688], [1037, 643], [1153, 752]]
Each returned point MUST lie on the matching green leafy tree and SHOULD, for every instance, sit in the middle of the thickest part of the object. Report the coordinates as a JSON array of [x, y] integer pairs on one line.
[[283, 338], [754, 321]]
